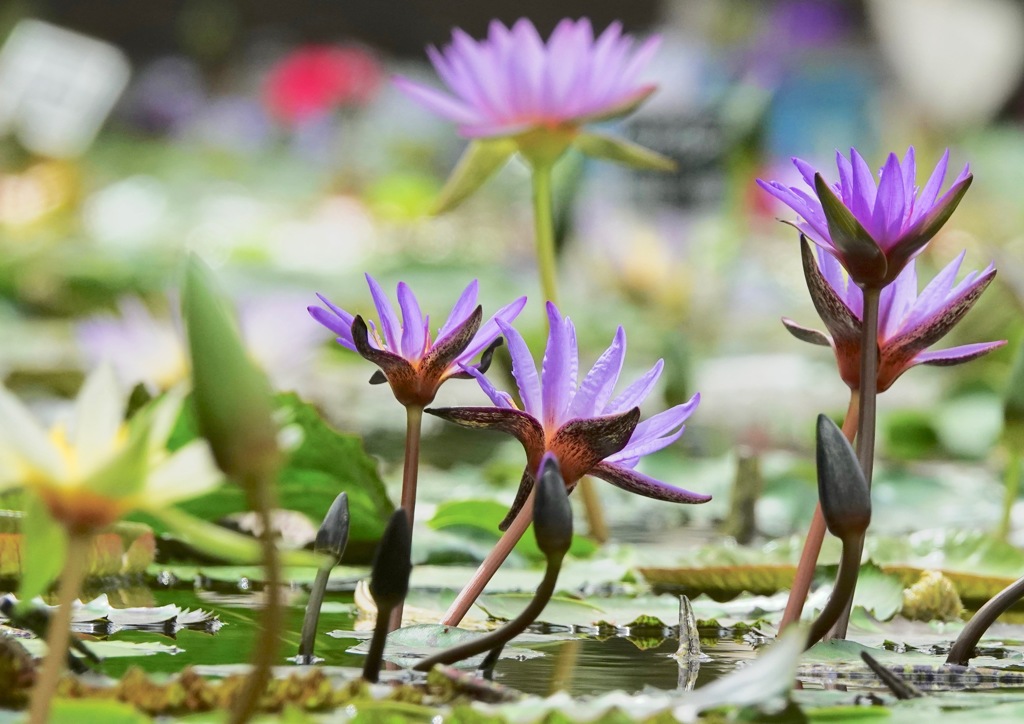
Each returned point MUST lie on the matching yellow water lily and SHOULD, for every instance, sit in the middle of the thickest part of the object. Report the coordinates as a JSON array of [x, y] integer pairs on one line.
[[94, 469]]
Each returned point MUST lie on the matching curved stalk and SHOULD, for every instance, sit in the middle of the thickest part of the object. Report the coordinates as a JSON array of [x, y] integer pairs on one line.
[[963, 648], [311, 620], [75, 568], [815, 536], [410, 475], [263, 501], [842, 593], [866, 424], [486, 570], [374, 657], [507, 632]]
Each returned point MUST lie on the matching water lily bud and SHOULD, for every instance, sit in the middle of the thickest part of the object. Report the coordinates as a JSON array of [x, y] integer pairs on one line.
[[389, 578], [552, 516], [332, 537], [842, 488], [231, 395]]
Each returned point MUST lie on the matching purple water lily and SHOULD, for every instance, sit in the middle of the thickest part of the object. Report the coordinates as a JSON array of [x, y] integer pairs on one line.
[[579, 422], [409, 360], [873, 230], [908, 322], [512, 82]]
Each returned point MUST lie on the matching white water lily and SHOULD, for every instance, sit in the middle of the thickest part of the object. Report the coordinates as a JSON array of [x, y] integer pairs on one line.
[[97, 468]]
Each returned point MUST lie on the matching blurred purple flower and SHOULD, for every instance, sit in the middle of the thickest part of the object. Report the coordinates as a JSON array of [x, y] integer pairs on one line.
[[144, 348], [579, 422], [908, 322], [512, 82], [873, 230], [412, 363]]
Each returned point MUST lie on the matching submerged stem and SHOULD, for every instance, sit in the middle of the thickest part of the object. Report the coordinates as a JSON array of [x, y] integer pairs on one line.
[[75, 568], [815, 536], [263, 500], [410, 475], [867, 422], [472, 590]]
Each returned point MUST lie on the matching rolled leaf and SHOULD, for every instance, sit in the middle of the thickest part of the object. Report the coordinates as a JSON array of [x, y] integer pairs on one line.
[[231, 395]]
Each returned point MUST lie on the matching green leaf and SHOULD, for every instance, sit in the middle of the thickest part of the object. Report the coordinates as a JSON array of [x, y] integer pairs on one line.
[[326, 462], [44, 549], [481, 160], [223, 543], [622, 151], [480, 518]]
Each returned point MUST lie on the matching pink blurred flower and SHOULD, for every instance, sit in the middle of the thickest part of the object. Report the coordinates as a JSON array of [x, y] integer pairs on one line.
[[316, 79]]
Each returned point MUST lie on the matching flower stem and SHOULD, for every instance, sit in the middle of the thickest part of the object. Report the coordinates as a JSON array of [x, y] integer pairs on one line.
[[544, 229], [410, 474], [1013, 466], [59, 631], [471, 591], [815, 536], [866, 423], [263, 500]]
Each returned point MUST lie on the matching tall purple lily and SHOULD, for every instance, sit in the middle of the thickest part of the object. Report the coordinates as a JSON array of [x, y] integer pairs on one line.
[[409, 360], [588, 430], [512, 81], [873, 230], [908, 322]]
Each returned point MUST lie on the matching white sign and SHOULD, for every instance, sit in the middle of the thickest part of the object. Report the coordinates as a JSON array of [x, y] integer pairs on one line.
[[57, 87]]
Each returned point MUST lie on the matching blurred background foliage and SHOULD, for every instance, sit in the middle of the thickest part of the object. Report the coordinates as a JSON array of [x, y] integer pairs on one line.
[[267, 137]]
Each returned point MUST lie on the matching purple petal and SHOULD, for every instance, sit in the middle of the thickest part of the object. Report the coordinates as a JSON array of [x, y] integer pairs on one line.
[[636, 392], [340, 322], [930, 192], [558, 369], [490, 330], [464, 306], [388, 319], [887, 218], [499, 398], [414, 339], [863, 191], [896, 301], [634, 482], [523, 369], [957, 355], [657, 432], [935, 294], [597, 386], [438, 102]]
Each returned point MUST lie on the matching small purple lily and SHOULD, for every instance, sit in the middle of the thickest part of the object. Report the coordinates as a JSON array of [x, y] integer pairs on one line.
[[873, 230], [587, 430], [512, 82], [908, 322], [414, 365]]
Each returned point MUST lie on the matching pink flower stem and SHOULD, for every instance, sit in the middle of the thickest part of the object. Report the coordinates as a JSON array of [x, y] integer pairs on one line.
[[410, 475], [815, 536], [472, 590], [867, 422]]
